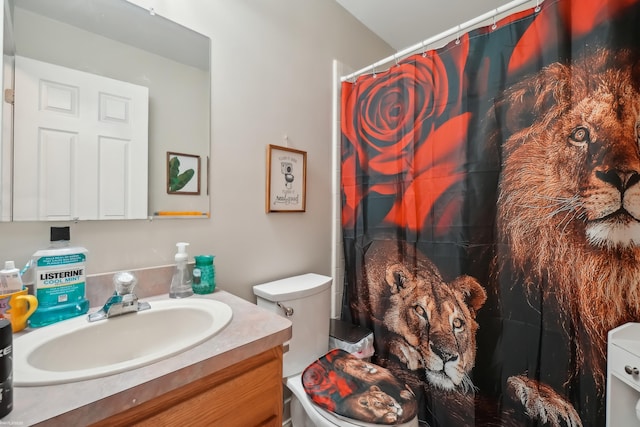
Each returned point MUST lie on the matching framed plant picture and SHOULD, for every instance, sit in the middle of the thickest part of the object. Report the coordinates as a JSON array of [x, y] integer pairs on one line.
[[183, 173], [286, 179]]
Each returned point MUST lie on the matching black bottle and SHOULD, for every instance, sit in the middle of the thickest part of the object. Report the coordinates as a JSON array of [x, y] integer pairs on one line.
[[6, 367]]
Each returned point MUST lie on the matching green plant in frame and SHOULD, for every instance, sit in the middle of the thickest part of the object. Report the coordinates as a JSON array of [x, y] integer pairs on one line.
[[178, 180]]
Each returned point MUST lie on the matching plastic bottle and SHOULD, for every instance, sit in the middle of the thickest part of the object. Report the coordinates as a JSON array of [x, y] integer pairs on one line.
[[207, 282], [10, 280], [181, 281], [59, 280]]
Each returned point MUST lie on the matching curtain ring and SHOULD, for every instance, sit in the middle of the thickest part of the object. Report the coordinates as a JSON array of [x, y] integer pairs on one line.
[[373, 72], [494, 26], [424, 49], [397, 61], [458, 35], [537, 9]]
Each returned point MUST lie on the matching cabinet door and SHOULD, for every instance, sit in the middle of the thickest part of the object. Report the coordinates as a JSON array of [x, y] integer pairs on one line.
[[247, 394], [80, 145]]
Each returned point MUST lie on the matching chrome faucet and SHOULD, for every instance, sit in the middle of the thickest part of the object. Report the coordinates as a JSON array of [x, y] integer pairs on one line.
[[123, 299]]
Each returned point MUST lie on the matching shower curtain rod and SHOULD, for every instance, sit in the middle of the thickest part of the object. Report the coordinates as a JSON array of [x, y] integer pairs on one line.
[[455, 30]]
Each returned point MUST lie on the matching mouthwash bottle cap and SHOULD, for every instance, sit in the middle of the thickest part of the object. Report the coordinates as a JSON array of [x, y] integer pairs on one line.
[[182, 252], [9, 265], [60, 233]]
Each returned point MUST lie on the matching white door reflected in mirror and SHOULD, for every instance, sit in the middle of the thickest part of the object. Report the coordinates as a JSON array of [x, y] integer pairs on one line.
[[84, 139]]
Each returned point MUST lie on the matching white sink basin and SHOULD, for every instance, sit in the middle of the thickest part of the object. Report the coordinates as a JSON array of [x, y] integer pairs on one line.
[[75, 349]]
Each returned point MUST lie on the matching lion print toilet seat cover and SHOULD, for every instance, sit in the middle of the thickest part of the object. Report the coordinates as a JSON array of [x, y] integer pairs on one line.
[[352, 388]]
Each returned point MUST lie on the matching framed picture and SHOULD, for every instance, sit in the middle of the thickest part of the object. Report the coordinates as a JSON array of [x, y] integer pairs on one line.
[[286, 179], [183, 173]]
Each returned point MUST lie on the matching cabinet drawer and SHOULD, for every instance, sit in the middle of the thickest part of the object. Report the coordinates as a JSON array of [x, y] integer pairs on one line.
[[620, 359]]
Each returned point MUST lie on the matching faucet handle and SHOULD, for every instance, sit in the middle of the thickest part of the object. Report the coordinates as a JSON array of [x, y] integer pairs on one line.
[[123, 300], [124, 282]]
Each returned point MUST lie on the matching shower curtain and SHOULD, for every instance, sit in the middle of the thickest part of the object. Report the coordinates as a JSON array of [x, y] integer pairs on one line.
[[491, 214]]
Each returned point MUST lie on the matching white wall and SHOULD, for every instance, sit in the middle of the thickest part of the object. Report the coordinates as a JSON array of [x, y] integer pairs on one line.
[[272, 75]]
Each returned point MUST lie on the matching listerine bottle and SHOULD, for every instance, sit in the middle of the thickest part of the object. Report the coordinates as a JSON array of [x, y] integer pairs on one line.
[[59, 280]]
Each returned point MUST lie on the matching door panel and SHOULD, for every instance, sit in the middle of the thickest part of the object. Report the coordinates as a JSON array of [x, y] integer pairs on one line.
[[80, 145]]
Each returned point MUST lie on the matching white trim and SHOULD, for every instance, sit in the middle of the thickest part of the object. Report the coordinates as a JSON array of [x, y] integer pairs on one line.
[[337, 255]]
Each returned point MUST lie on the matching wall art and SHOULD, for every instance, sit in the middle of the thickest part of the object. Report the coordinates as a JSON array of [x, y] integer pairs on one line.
[[183, 173], [286, 179]]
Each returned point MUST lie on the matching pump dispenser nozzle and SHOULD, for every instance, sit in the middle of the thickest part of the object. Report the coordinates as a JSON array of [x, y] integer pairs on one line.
[[182, 251], [181, 281]]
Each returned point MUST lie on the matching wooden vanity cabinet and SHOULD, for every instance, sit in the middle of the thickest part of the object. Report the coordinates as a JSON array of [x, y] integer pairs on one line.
[[246, 394]]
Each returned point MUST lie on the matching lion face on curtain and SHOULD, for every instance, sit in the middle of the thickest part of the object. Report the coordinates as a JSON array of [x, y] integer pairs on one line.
[[569, 200], [429, 325]]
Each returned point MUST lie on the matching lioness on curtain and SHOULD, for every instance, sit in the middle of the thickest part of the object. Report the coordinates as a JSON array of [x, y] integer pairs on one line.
[[491, 214]]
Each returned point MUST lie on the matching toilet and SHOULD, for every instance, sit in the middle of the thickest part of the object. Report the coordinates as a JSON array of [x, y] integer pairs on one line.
[[306, 301]]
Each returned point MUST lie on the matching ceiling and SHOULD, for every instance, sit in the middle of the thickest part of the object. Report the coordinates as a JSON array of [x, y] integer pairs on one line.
[[404, 23], [129, 24]]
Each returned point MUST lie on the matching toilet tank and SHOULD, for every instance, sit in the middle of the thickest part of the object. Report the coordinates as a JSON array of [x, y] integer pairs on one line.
[[306, 301]]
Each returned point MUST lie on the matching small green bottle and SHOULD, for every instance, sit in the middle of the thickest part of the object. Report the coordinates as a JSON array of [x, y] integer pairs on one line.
[[204, 263]]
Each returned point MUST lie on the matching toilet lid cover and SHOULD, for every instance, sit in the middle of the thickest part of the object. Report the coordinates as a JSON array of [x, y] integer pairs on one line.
[[341, 383]]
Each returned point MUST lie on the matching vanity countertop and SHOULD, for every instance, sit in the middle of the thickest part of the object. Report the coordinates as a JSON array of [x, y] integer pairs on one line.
[[251, 331]]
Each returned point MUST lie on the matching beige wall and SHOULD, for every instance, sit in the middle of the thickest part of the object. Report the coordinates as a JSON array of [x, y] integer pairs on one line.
[[272, 75]]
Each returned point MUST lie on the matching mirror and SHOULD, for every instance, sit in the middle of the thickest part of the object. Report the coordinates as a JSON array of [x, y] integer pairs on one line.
[[116, 40]]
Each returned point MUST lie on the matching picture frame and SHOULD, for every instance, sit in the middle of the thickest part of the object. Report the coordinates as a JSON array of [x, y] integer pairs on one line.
[[286, 179], [183, 173]]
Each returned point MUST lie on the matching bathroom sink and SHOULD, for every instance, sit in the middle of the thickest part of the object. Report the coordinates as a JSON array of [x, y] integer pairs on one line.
[[75, 349]]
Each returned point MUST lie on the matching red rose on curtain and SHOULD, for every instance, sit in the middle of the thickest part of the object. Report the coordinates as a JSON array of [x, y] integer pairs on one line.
[[397, 129], [386, 113]]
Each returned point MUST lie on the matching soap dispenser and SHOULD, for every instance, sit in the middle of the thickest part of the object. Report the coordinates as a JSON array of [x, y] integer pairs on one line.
[[181, 281]]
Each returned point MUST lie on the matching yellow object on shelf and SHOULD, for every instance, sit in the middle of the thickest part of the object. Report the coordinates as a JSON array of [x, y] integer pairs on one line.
[[182, 213]]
